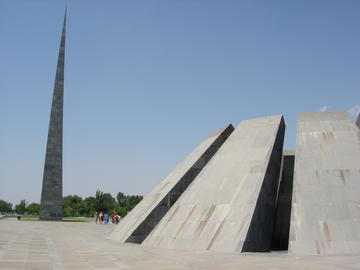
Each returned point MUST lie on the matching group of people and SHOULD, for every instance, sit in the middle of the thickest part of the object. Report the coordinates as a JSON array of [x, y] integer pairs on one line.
[[104, 218]]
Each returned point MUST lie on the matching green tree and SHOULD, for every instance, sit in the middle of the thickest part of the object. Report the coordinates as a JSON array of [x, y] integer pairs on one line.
[[21, 207], [68, 212], [71, 200], [134, 200], [33, 209], [126, 203], [121, 199], [74, 205], [104, 202], [71, 205], [87, 207], [5, 207], [120, 210]]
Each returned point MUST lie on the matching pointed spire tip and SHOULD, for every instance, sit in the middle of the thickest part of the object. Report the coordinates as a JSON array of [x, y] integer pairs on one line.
[[65, 15]]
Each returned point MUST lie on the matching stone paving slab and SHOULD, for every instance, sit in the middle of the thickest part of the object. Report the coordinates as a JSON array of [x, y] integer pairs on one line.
[[66, 245]]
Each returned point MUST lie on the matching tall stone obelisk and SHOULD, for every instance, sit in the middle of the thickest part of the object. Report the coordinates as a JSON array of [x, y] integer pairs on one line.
[[51, 195]]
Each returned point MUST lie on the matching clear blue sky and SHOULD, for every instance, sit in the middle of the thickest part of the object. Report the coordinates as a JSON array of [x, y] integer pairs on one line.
[[146, 81]]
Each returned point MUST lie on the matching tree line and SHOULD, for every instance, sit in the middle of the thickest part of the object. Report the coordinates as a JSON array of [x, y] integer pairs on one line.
[[75, 206]]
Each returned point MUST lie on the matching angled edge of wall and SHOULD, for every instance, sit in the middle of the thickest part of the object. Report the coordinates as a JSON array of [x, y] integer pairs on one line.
[[325, 210], [357, 122], [136, 226]]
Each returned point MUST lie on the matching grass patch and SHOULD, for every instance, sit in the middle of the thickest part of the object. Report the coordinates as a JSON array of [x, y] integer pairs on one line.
[[77, 219], [29, 219], [5, 217]]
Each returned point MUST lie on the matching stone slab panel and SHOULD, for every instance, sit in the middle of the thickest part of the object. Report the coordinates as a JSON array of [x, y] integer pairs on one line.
[[137, 225], [230, 206], [325, 215]]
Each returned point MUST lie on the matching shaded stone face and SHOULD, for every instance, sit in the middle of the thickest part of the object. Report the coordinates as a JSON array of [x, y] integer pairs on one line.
[[51, 196], [280, 237], [259, 234]]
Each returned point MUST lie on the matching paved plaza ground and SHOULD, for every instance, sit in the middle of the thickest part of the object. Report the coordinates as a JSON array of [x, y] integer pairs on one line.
[[83, 245]]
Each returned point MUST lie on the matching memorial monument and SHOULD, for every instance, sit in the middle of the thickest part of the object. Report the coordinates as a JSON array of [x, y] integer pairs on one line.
[[51, 195], [147, 214], [252, 196], [230, 205]]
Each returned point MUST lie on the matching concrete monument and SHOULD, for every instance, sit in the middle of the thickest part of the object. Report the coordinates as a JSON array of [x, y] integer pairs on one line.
[[145, 216], [231, 204], [253, 196], [51, 195]]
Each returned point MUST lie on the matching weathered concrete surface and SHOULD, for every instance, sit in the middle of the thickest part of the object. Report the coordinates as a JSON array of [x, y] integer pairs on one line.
[[325, 216], [45, 245], [51, 195], [136, 226], [236, 189], [280, 237]]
